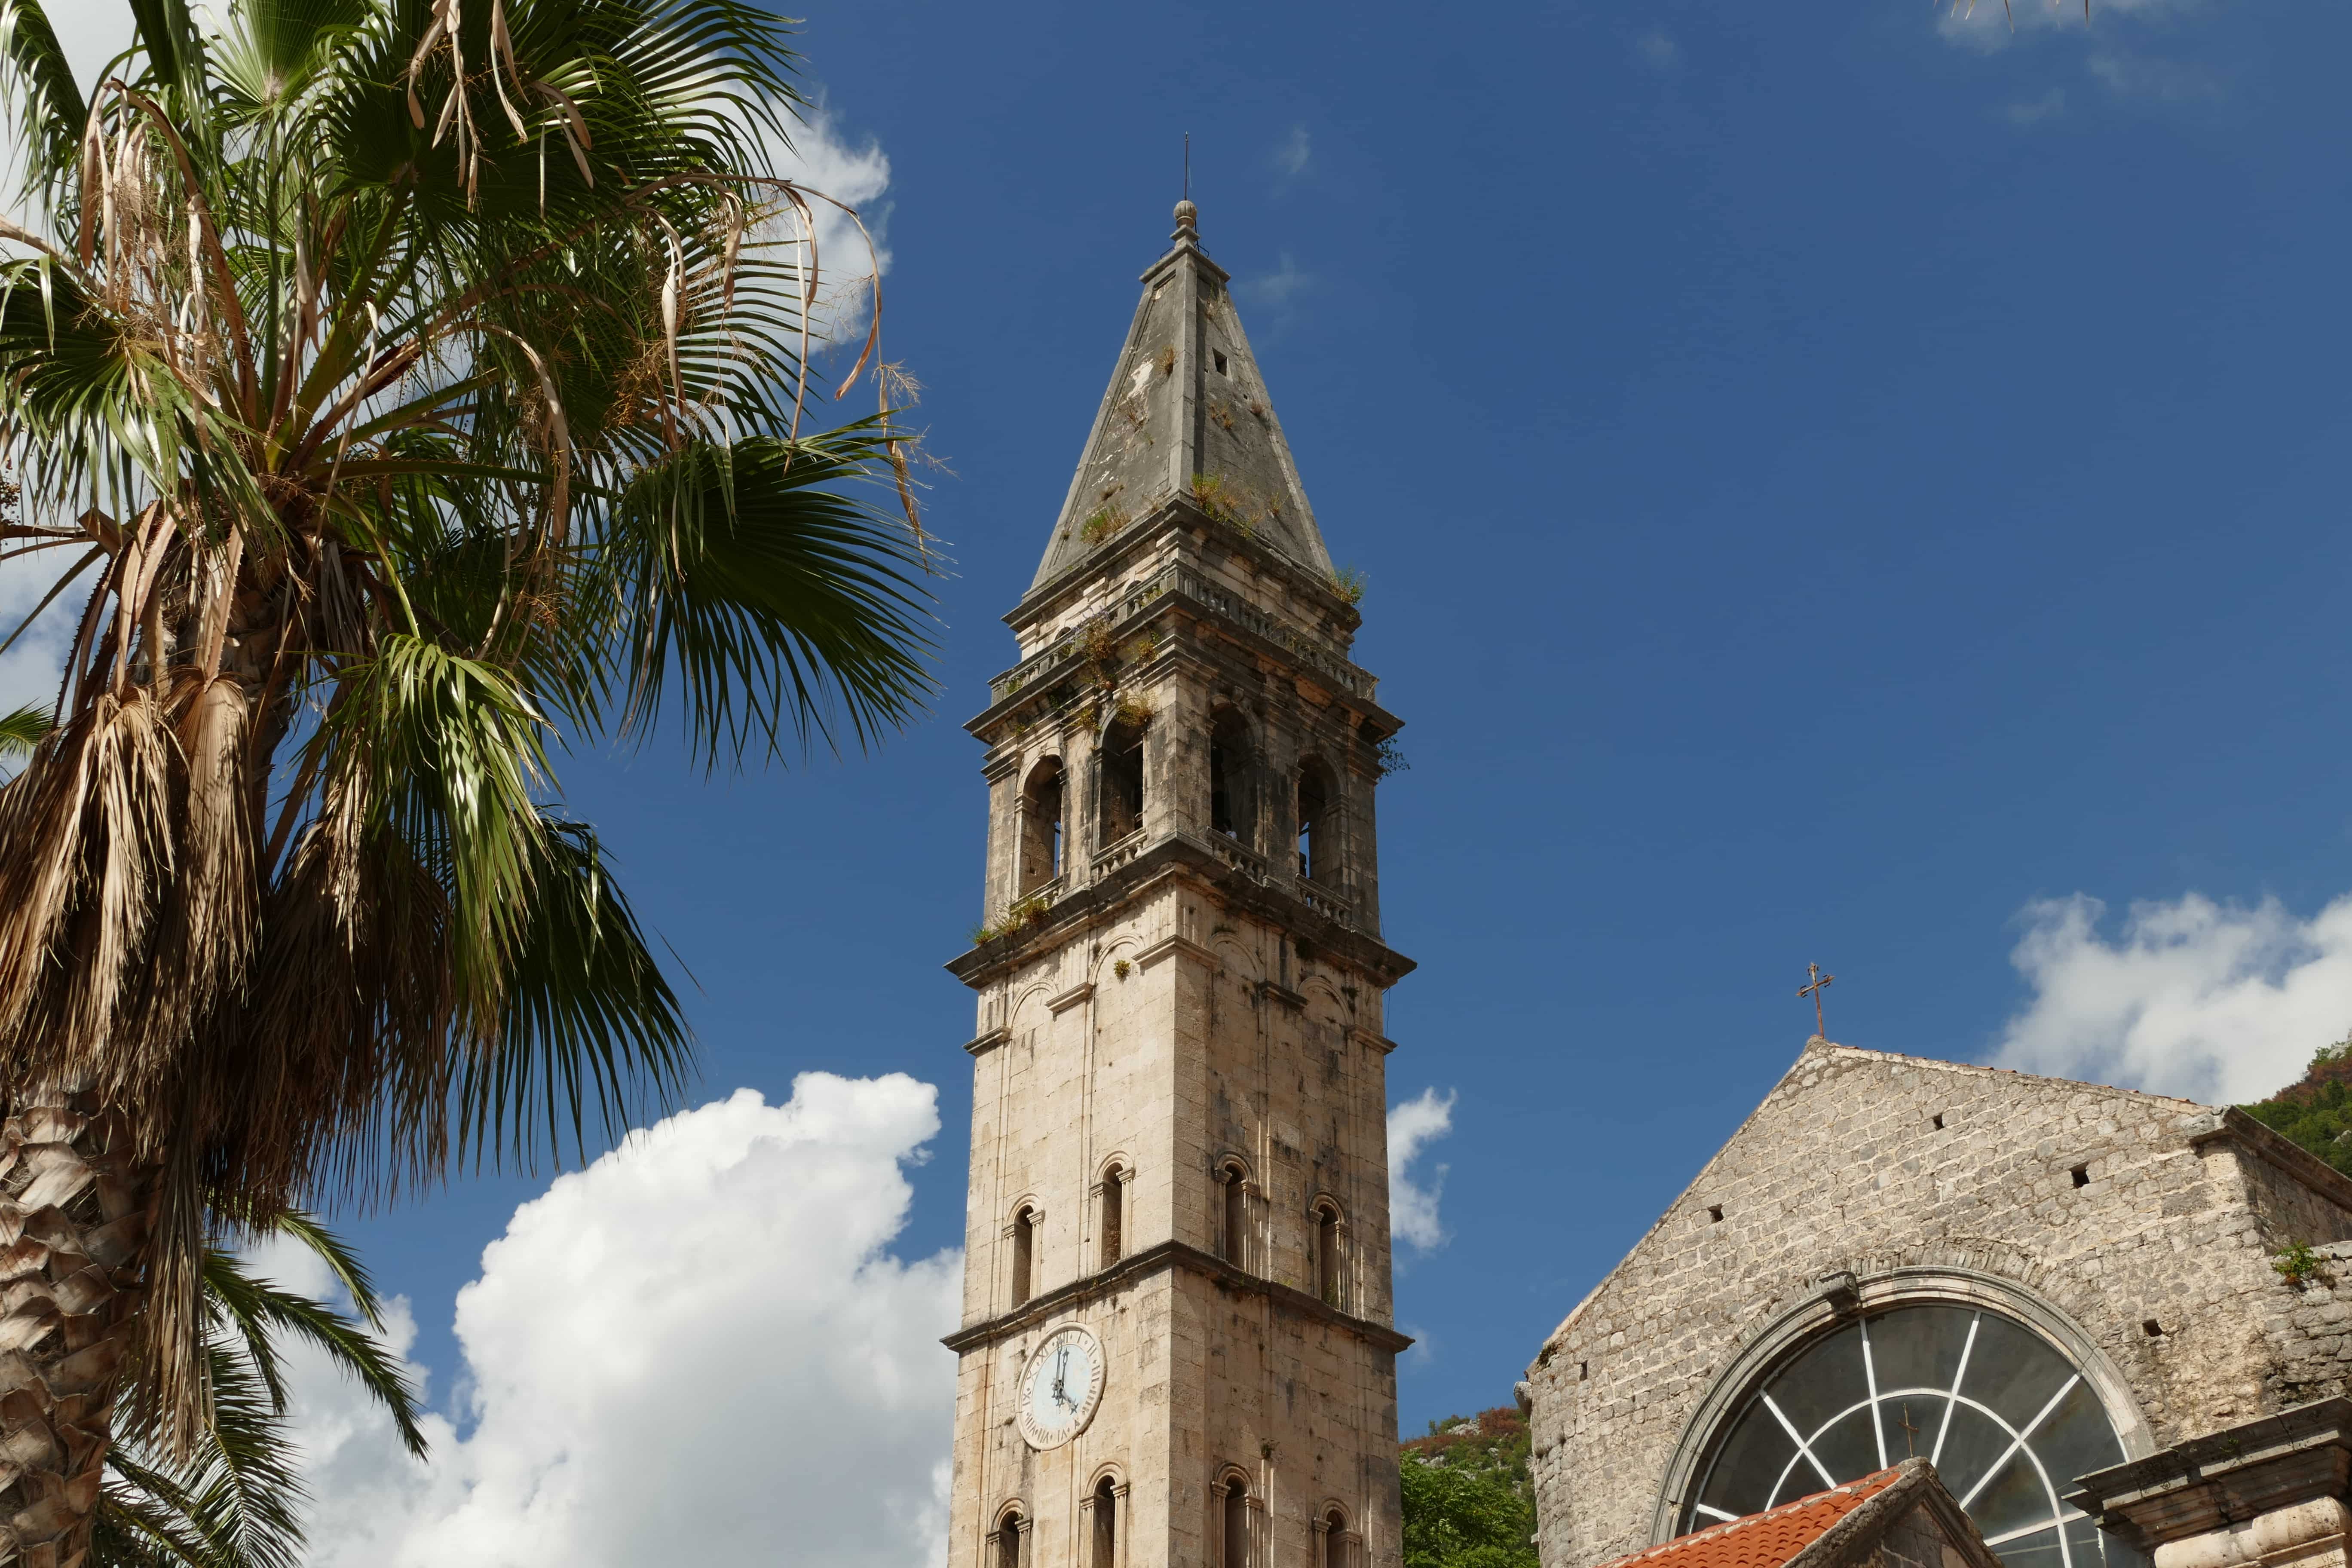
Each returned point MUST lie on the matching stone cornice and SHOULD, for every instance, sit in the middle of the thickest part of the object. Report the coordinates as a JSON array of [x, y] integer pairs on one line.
[[2232, 1125], [1170, 947], [1159, 1259], [2224, 1477], [1177, 854], [983, 1044]]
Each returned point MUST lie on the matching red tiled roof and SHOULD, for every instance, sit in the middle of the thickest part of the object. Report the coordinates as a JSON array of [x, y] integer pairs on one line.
[[1764, 1540]]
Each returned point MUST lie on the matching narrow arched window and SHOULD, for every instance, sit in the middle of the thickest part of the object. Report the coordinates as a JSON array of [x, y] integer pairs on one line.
[[1233, 803], [1334, 1540], [1328, 1271], [1106, 1524], [1121, 782], [1114, 1216], [1008, 1541], [1234, 1232], [1025, 1231], [1236, 1530], [1318, 842], [1041, 826]]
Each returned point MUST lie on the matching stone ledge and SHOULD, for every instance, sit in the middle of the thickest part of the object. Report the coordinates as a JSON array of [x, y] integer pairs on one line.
[[2224, 1477], [1159, 1259]]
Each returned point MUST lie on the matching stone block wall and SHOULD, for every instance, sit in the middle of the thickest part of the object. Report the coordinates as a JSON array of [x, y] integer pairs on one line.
[[2145, 1224]]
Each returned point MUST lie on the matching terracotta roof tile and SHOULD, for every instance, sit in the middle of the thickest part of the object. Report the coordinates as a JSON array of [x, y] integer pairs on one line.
[[1764, 1540]]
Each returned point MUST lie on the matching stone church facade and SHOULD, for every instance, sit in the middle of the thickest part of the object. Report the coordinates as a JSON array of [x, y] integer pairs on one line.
[[2038, 1281]]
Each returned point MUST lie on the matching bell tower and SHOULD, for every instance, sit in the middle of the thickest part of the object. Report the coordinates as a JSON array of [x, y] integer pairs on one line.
[[1177, 1348]]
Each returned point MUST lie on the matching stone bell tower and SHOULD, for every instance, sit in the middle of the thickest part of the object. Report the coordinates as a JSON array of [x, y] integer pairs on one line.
[[1177, 1349]]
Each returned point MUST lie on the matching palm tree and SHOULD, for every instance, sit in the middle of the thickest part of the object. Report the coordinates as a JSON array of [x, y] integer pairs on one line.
[[409, 390], [236, 1500]]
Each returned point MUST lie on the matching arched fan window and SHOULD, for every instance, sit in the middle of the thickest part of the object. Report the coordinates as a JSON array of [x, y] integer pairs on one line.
[[2008, 1421]]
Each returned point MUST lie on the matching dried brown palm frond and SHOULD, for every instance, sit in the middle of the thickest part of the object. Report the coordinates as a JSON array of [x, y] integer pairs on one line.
[[399, 386]]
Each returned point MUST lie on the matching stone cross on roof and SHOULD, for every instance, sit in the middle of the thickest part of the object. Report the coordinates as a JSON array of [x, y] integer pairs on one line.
[[1186, 412]]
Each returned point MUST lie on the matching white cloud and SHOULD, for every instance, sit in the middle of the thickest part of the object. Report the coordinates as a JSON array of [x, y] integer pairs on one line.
[[1986, 25], [699, 1350], [1295, 152], [2211, 1002], [1658, 50], [1412, 1201], [1276, 291], [822, 158], [2147, 76]]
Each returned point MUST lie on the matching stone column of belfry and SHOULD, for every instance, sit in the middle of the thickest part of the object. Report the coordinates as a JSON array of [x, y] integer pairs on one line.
[[1181, 976]]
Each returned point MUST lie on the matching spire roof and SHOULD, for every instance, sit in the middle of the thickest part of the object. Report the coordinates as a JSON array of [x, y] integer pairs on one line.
[[1186, 413]]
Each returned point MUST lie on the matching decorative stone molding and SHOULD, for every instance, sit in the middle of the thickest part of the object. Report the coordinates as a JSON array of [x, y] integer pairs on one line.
[[2262, 1494], [1836, 1296]]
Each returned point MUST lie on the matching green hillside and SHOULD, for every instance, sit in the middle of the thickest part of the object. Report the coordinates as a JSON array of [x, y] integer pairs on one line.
[[1469, 1501], [2316, 1110]]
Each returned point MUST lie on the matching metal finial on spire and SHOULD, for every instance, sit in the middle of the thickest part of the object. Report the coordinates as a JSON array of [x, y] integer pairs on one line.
[[1188, 217]]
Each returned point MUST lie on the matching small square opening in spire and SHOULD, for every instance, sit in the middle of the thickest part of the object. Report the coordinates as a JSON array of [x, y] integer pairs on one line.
[[1219, 356]]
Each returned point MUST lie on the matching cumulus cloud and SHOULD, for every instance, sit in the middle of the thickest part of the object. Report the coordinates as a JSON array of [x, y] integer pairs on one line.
[[1412, 1199], [2209, 1000], [701, 1349], [824, 157], [1658, 50]]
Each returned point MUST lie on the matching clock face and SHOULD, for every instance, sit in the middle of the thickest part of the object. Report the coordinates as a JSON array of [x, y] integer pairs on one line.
[[1060, 1388]]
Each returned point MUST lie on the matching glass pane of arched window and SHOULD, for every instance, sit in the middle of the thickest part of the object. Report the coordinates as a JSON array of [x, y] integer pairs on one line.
[[2007, 1420]]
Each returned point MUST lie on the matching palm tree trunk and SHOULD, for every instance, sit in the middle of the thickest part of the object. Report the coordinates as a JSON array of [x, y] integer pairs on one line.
[[72, 1229]]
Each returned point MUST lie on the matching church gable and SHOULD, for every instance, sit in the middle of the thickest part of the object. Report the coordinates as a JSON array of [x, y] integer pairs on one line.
[[2132, 1232]]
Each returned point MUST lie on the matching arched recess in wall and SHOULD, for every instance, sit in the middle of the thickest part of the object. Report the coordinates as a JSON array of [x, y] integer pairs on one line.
[[1233, 777], [1113, 1183], [1023, 1236], [1232, 1526], [1235, 1233], [2006, 1393], [1119, 783], [1043, 818], [1318, 817], [1326, 1259], [1104, 1528], [1334, 1539], [1008, 1538]]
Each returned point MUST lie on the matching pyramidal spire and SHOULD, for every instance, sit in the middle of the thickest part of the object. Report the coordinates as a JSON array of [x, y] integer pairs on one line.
[[1186, 418]]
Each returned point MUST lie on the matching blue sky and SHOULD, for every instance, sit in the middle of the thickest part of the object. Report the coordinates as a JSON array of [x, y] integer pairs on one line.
[[1837, 483], [1828, 479]]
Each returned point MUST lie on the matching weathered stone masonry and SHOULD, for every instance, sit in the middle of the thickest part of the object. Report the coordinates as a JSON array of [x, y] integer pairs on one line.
[[2144, 1227]]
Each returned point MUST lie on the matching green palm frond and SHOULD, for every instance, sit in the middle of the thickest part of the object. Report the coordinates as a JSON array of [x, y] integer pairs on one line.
[[404, 408], [235, 1499], [21, 730]]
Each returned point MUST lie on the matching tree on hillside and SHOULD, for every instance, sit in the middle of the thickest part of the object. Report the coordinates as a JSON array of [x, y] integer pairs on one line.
[[404, 391], [2315, 1110], [1467, 1499]]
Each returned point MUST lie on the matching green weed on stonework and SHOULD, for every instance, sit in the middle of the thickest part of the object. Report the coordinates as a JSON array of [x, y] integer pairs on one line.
[[2299, 1264]]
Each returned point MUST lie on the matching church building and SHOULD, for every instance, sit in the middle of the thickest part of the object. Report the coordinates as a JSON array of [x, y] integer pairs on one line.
[[1177, 1345], [2107, 1319]]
